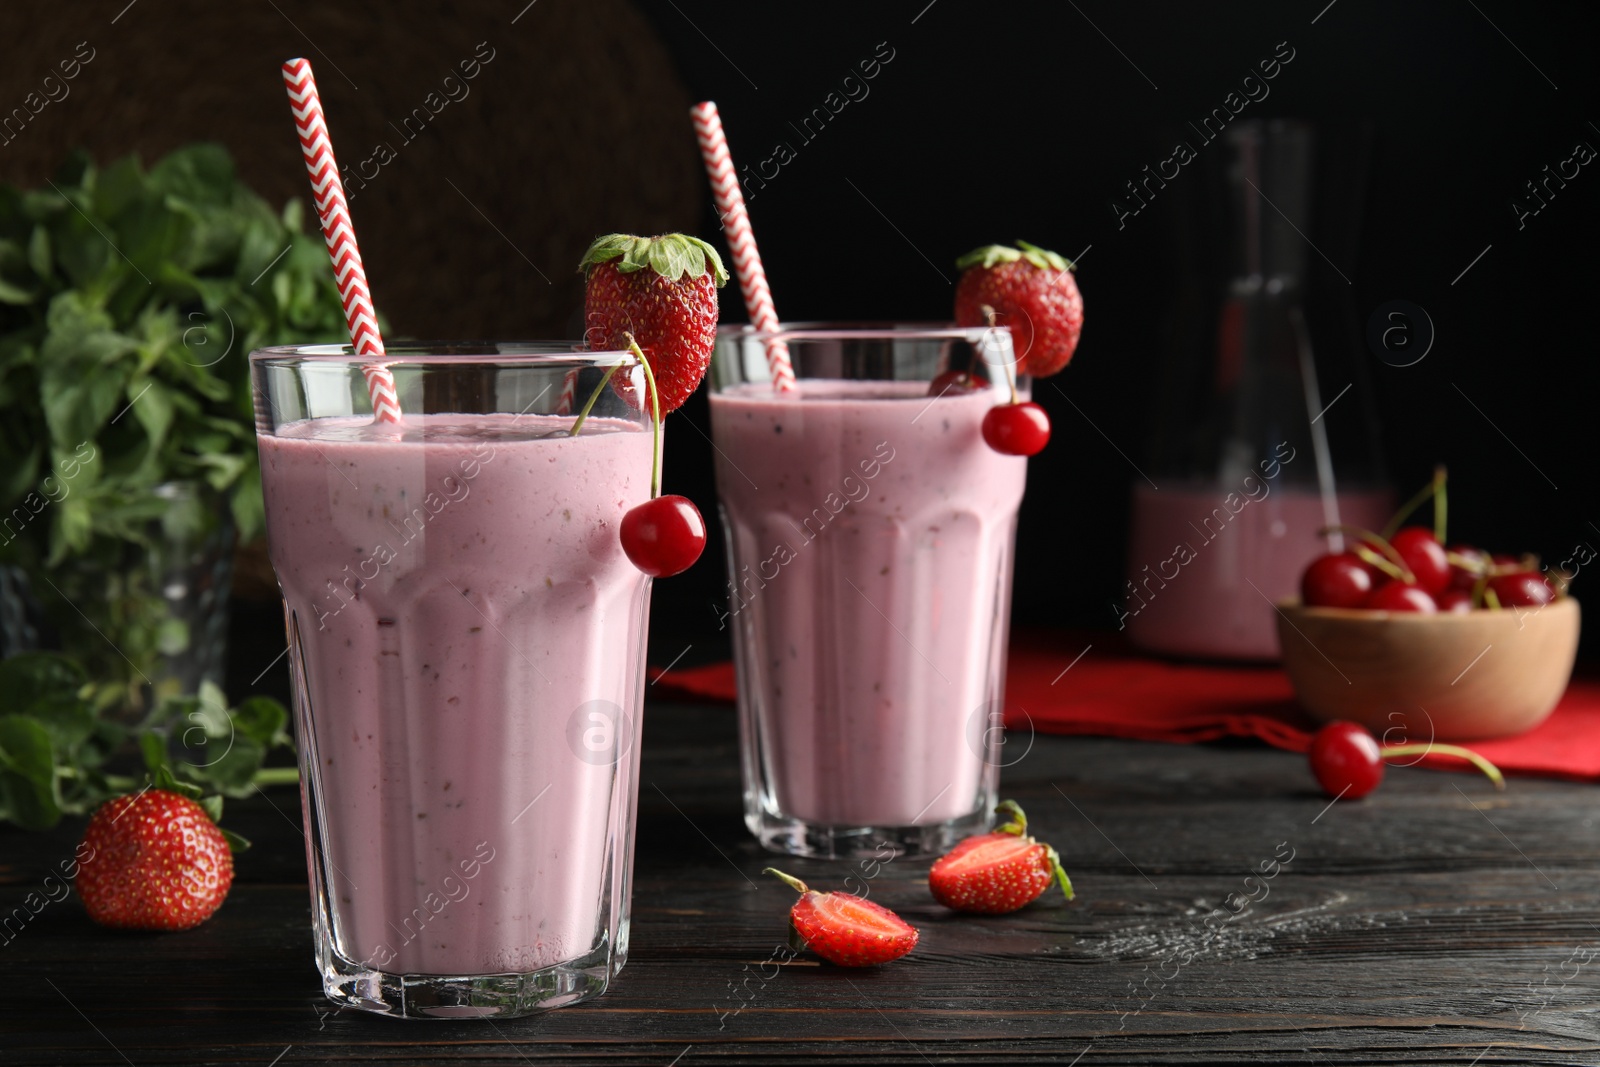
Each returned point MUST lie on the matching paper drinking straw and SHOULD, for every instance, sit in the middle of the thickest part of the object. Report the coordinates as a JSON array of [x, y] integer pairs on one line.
[[741, 242], [334, 215], [569, 392]]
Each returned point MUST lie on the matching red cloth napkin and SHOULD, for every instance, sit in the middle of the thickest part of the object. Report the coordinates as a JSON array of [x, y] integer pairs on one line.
[[1113, 692]]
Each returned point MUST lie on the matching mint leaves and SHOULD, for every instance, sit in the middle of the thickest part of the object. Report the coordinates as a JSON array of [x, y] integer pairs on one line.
[[58, 739], [130, 300]]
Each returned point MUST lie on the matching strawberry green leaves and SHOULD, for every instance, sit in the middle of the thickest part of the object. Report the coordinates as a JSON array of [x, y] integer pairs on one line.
[[993, 255], [672, 256]]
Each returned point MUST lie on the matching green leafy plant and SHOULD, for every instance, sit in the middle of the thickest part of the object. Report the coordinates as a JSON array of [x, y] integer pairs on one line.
[[58, 746], [129, 302]]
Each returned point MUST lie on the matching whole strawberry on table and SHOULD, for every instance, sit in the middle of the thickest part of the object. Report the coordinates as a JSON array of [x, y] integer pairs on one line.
[[156, 859], [1032, 292]]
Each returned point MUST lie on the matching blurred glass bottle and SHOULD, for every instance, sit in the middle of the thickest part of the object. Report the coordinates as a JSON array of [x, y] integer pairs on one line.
[[1257, 445]]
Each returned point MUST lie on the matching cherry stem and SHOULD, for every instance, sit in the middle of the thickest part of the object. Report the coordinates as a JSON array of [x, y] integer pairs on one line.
[[1011, 378], [793, 883], [1467, 754], [1440, 505], [655, 420], [594, 396], [1434, 490], [1399, 569]]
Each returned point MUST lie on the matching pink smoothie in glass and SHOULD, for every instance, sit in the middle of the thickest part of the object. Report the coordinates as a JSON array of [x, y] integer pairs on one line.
[[872, 540], [465, 617], [1207, 563]]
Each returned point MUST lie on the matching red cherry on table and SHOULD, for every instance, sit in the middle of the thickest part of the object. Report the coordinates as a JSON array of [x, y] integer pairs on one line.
[[663, 536], [1424, 555], [956, 381], [1337, 580], [1454, 602], [1346, 760], [1524, 589], [1401, 596], [1016, 429]]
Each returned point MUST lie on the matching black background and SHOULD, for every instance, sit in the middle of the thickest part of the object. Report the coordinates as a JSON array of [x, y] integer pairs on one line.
[[999, 121], [992, 122]]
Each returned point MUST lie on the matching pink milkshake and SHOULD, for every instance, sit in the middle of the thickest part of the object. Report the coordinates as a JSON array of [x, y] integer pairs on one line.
[[870, 532], [467, 644]]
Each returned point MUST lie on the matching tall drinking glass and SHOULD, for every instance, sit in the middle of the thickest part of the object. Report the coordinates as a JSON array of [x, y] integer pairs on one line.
[[467, 645], [870, 535]]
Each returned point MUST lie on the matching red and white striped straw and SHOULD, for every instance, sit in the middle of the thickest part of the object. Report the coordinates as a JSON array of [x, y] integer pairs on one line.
[[569, 393], [334, 215], [741, 242]]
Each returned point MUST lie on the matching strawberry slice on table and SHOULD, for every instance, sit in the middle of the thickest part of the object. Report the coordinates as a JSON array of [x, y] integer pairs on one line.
[[154, 860], [1030, 290], [845, 929], [997, 872], [662, 291]]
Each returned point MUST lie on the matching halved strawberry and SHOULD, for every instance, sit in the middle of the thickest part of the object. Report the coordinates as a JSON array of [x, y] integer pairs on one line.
[[1030, 290], [662, 291], [845, 929], [998, 872]]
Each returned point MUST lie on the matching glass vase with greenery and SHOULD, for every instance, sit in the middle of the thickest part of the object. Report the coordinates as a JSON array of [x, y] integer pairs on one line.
[[129, 302]]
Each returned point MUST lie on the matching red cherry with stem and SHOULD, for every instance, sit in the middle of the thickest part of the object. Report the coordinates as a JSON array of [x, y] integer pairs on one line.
[[1454, 602], [1425, 556], [1348, 761], [1016, 429], [1524, 589], [956, 381], [1337, 580], [1401, 596], [664, 536]]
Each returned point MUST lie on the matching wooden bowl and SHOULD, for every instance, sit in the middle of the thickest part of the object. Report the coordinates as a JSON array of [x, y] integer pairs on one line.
[[1447, 677]]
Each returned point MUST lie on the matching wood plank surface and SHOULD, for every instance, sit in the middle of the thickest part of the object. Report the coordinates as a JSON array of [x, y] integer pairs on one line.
[[1434, 922]]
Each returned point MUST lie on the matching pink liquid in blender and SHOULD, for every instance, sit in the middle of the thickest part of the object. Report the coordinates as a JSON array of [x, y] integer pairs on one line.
[[871, 536], [459, 597], [1243, 555]]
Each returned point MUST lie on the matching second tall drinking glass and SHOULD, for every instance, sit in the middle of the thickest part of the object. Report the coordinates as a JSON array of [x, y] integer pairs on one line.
[[870, 535]]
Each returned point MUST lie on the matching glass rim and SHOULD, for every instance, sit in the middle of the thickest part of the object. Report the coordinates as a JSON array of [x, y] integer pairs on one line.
[[857, 331], [523, 353]]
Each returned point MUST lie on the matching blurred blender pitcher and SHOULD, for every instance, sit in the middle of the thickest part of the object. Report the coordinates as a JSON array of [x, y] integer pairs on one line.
[[1255, 453]]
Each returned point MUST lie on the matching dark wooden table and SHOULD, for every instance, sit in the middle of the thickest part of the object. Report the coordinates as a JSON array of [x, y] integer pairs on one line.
[[1434, 922]]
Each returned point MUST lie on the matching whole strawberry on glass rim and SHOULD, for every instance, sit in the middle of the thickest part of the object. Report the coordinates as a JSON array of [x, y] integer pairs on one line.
[[156, 859], [844, 929], [997, 872], [1031, 291], [656, 297]]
